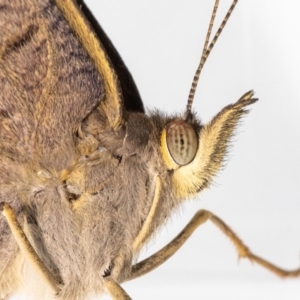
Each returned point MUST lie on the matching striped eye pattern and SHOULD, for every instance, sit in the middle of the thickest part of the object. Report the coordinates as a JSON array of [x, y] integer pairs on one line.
[[182, 142]]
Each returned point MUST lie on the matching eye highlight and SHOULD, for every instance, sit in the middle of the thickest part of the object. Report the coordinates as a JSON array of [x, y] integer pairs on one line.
[[181, 141]]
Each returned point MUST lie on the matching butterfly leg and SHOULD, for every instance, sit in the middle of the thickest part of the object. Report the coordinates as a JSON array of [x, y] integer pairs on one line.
[[115, 290], [201, 217], [144, 232], [27, 249], [112, 287]]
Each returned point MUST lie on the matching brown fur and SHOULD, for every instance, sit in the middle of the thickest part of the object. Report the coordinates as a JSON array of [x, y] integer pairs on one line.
[[79, 177]]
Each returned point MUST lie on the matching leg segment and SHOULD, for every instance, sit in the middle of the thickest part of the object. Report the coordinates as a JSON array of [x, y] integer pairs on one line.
[[115, 290], [112, 287], [143, 234], [201, 217], [27, 249]]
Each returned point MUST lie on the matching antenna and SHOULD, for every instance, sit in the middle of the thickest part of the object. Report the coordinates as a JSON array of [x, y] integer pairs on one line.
[[205, 53]]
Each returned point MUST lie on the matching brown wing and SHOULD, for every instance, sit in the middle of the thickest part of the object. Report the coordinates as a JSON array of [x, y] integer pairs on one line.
[[131, 96], [48, 83], [53, 74]]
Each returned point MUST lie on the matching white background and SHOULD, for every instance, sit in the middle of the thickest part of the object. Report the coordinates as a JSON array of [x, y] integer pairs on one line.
[[258, 192]]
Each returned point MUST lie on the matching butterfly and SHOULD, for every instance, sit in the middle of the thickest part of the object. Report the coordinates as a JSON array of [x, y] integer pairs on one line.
[[73, 160]]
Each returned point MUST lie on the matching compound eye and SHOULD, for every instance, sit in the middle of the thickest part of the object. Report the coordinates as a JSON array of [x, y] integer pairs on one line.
[[182, 142]]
